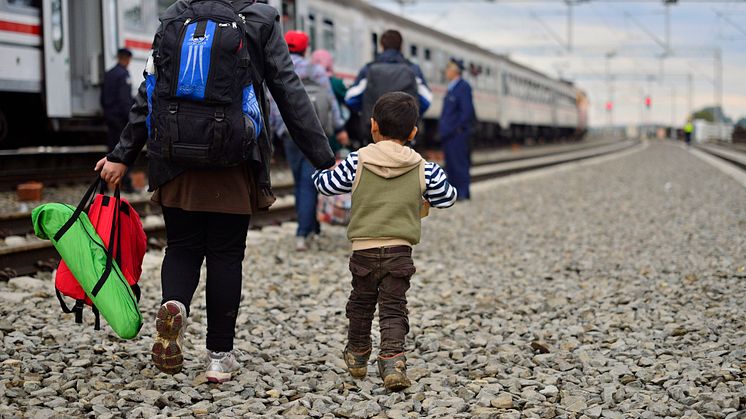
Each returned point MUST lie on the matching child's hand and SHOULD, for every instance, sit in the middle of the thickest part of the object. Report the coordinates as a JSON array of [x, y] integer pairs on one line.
[[425, 209]]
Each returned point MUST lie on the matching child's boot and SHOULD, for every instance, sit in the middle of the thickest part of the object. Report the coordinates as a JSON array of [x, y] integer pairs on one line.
[[393, 370], [357, 363]]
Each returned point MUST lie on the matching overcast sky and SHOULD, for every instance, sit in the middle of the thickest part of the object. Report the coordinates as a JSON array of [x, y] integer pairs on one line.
[[535, 33]]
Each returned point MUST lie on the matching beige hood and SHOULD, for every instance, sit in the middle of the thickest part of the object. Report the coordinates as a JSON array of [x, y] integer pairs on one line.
[[389, 159]]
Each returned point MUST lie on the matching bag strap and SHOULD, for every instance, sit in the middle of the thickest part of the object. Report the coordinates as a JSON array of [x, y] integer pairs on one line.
[[97, 322], [79, 209], [136, 290], [77, 308], [110, 251]]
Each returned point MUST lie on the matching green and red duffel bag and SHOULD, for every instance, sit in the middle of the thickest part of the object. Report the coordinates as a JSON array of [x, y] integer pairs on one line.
[[91, 262]]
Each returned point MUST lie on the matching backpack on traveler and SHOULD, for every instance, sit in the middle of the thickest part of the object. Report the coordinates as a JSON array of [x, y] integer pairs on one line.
[[382, 78], [322, 103], [203, 108]]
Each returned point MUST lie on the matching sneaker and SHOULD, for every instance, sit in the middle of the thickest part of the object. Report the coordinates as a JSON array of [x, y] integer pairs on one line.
[[357, 363], [300, 244], [393, 372], [221, 366], [170, 323]]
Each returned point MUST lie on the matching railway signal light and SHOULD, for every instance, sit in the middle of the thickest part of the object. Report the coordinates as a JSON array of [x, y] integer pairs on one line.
[[648, 102], [609, 106]]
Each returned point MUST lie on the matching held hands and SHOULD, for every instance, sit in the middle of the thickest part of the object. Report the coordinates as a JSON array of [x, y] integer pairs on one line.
[[343, 138], [111, 172]]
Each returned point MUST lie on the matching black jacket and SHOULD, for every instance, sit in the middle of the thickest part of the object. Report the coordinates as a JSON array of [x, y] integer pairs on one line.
[[273, 69], [116, 96]]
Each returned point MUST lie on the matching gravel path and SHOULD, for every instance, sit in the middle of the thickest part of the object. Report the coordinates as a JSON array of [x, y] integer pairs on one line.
[[71, 194], [613, 290]]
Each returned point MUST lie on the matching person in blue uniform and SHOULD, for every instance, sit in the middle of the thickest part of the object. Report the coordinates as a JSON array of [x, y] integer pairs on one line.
[[116, 101], [456, 126]]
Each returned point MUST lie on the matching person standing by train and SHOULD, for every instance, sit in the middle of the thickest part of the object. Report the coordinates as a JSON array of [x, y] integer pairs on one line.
[[455, 128], [116, 101], [206, 211], [319, 89], [390, 72]]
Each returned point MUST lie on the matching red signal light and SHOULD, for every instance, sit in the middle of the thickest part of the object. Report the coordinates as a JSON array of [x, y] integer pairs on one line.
[[648, 102], [609, 106]]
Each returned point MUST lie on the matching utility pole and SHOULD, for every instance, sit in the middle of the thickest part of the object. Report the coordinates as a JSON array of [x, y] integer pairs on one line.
[[718, 79], [609, 90], [673, 113], [690, 96], [569, 24]]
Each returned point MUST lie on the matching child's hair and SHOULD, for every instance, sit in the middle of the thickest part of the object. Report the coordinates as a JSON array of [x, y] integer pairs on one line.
[[396, 114]]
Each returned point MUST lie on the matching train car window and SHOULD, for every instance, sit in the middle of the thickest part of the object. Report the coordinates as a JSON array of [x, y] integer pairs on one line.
[[24, 3], [374, 40], [289, 13], [133, 12], [164, 4], [427, 54], [327, 35], [413, 50], [312, 31], [57, 29]]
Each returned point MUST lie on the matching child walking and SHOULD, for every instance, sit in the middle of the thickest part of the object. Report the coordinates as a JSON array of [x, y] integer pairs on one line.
[[388, 182]]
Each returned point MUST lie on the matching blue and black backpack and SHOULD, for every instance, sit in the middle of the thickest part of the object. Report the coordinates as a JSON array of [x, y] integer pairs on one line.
[[203, 108]]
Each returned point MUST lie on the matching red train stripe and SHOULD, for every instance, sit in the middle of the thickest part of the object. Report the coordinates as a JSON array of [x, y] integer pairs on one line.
[[24, 28], [131, 43]]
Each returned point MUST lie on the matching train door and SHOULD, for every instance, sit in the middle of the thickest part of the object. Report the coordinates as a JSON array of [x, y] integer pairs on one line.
[[73, 59], [57, 58]]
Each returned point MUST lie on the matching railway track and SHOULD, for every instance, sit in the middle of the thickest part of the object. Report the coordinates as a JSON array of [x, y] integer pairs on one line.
[[33, 256], [735, 155]]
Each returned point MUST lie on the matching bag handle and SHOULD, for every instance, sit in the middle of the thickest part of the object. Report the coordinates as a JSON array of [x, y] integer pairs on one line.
[[79, 209], [110, 251]]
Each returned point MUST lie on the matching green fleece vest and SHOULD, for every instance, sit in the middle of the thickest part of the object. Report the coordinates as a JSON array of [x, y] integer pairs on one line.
[[386, 208]]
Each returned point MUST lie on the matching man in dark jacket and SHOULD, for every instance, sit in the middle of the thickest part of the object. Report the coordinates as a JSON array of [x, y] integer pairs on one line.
[[206, 211], [455, 128], [116, 101], [390, 72], [116, 96]]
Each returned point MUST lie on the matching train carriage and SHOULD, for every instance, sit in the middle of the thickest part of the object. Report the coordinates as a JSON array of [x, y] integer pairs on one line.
[[56, 51]]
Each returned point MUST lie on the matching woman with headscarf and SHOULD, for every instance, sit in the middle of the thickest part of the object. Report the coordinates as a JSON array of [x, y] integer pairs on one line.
[[325, 59]]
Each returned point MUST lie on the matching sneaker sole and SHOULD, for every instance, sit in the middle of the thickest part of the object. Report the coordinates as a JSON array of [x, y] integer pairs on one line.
[[166, 353], [218, 377]]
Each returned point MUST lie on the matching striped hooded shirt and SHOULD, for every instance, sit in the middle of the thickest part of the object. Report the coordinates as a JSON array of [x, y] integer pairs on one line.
[[438, 192]]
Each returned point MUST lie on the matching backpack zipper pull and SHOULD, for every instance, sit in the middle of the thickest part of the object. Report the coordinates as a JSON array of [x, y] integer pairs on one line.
[[186, 22]]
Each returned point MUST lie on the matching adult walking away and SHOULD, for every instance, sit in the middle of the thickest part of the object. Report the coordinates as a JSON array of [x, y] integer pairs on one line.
[[390, 72], [116, 101], [325, 59], [455, 128], [688, 129], [319, 90], [209, 156]]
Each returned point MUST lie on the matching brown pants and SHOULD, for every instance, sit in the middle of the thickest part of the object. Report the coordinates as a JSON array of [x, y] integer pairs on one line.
[[379, 276]]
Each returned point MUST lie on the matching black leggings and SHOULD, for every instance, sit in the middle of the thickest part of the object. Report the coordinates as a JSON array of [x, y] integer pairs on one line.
[[221, 238]]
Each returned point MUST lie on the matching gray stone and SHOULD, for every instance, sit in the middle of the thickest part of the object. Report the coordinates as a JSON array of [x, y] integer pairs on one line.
[[27, 283], [502, 401]]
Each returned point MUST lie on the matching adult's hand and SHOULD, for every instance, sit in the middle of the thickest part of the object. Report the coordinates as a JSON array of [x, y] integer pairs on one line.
[[111, 172], [343, 138]]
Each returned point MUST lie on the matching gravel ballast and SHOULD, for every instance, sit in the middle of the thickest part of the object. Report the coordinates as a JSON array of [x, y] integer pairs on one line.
[[611, 290]]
